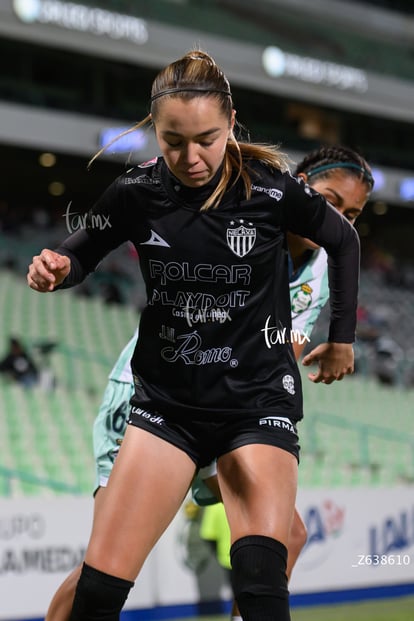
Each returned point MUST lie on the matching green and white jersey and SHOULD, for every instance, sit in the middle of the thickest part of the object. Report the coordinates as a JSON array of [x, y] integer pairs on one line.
[[121, 371], [110, 423], [309, 292]]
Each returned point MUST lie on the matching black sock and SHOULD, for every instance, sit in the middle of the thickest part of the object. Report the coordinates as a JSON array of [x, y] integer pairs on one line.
[[99, 596], [259, 578]]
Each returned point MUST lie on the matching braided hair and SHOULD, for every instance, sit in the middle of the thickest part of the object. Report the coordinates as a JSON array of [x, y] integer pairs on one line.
[[320, 164]]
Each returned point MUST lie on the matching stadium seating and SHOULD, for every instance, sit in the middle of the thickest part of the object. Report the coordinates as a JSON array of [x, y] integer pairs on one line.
[[354, 432], [292, 32], [46, 432]]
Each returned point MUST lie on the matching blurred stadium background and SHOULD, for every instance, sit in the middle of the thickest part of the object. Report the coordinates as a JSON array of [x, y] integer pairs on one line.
[[72, 75]]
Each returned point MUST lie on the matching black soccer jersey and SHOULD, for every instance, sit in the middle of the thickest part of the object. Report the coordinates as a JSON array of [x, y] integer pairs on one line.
[[215, 334]]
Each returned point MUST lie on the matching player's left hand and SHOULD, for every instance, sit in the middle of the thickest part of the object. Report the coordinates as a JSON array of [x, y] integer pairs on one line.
[[334, 361]]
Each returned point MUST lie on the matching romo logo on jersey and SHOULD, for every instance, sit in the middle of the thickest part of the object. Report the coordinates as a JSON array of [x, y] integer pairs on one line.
[[241, 239]]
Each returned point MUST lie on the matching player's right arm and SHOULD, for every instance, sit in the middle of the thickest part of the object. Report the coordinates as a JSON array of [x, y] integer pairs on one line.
[[80, 253], [48, 270]]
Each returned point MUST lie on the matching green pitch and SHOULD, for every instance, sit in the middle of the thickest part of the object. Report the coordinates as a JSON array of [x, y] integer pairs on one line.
[[397, 609]]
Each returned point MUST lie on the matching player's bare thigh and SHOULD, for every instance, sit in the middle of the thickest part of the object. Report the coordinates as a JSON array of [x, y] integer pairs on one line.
[[258, 484], [147, 486]]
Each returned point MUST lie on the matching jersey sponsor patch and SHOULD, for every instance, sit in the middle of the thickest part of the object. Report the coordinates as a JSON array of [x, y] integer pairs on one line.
[[288, 384], [279, 422], [142, 180], [148, 163], [149, 416], [187, 348], [241, 239], [272, 192]]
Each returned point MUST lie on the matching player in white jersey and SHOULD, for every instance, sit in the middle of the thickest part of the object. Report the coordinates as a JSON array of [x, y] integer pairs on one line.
[[109, 426], [309, 292]]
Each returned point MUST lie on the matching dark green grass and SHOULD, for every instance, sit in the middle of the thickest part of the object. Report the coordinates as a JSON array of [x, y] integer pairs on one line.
[[396, 609]]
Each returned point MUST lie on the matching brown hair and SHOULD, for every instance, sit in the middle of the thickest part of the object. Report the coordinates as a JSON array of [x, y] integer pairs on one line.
[[196, 74]]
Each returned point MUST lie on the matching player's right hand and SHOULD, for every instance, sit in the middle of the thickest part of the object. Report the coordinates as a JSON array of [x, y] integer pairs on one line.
[[47, 270]]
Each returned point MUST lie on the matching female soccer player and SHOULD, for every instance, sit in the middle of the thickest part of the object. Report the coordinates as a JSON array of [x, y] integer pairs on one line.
[[214, 377]]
